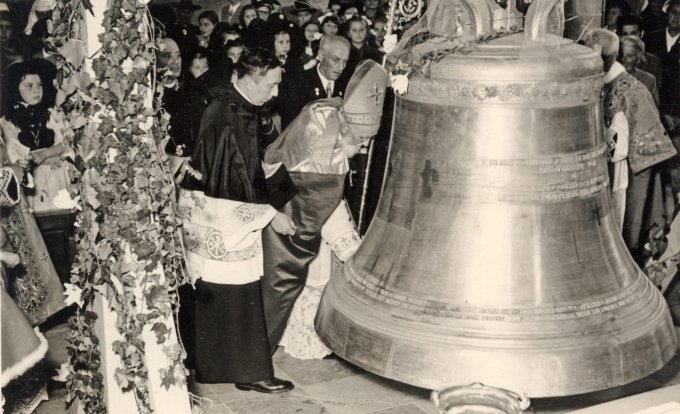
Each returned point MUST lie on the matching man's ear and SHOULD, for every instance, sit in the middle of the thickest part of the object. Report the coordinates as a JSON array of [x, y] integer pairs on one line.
[[319, 55]]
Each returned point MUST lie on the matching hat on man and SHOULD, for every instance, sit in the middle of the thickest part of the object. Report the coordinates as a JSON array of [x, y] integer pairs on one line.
[[266, 3], [364, 98], [187, 5]]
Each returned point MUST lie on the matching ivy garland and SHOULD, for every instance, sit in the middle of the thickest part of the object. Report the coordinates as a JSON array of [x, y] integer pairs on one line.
[[129, 249]]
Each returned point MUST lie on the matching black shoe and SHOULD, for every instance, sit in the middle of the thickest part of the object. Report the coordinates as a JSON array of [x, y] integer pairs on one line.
[[271, 386]]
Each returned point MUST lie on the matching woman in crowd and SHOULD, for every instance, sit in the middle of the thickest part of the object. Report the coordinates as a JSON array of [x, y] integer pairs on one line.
[[198, 65], [287, 42], [357, 33], [36, 145], [206, 23], [330, 25], [334, 7], [378, 31], [349, 11], [373, 9], [310, 31], [235, 49], [248, 14]]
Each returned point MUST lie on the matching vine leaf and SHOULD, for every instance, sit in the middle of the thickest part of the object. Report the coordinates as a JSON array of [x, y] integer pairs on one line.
[[161, 332], [73, 51]]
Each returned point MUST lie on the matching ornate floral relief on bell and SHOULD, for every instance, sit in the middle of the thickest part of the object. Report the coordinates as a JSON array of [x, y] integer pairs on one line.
[[494, 255]]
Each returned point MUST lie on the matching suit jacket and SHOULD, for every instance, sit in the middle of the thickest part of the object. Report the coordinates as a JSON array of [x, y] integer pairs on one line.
[[669, 93], [300, 89], [649, 81], [652, 65]]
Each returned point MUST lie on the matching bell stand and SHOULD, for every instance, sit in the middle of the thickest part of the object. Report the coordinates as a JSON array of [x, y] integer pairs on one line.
[[478, 398]]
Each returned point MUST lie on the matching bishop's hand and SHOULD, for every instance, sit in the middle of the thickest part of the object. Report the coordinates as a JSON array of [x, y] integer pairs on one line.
[[283, 224]]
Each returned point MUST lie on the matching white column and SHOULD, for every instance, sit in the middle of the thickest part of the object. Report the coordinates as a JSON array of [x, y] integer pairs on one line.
[[171, 401]]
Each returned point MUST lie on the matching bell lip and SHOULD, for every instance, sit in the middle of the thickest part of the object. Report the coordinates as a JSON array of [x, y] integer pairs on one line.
[[649, 330]]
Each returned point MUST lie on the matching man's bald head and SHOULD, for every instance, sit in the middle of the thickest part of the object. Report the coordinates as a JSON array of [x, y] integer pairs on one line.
[[333, 56], [606, 43], [603, 41]]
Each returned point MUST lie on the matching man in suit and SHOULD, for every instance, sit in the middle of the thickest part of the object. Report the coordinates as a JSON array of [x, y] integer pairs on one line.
[[632, 54], [315, 83], [631, 25]]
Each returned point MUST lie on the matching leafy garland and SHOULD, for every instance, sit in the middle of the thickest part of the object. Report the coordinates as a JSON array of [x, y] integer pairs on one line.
[[409, 65], [129, 250]]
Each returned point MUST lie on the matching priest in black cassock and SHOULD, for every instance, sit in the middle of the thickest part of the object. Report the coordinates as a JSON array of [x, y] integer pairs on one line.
[[224, 211]]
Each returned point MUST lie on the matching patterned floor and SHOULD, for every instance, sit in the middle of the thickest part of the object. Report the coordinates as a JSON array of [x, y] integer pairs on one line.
[[333, 386]]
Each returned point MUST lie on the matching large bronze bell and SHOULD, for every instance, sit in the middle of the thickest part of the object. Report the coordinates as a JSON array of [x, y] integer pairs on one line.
[[494, 255]]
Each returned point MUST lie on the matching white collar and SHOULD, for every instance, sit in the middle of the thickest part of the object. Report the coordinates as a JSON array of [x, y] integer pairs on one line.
[[670, 41], [243, 94], [614, 71], [233, 7], [644, 6]]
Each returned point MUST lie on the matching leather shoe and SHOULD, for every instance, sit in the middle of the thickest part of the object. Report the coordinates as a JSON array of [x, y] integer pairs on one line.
[[271, 386]]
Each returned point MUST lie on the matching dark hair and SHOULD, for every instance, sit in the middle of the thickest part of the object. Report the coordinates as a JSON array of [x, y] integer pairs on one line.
[[672, 3], [16, 73], [381, 18], [627, 20], [256, 62], [235, 43], [202, 54], [241, 18], [344, 7], [304, 27], [344, 29], [333, 19], [210, 15]]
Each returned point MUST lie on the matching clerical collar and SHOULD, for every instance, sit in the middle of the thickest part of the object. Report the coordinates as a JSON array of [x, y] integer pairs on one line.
[[614, 71], [671, 40], [324, 80], [243, 94]]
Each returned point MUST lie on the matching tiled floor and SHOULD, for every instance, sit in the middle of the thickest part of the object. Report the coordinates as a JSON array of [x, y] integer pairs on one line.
[[334, 386]]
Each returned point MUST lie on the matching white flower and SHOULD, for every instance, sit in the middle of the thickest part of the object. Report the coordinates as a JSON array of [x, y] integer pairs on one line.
[[63, 200], [62, 372], [389, 43], [73, 295], [318, 35], [111, 155], [399, 84]]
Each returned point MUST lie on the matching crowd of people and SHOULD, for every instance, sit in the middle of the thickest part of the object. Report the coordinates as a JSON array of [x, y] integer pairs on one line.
[[311, 70], [641, 52], [269, 104]]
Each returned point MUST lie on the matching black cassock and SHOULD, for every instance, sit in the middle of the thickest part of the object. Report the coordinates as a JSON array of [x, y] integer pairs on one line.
[[227, 325]]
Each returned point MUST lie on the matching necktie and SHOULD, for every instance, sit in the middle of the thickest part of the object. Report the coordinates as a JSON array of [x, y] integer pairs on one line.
[[329, 89]]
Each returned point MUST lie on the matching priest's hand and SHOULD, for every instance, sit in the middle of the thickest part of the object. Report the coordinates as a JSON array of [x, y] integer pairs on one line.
[[283, 224]]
